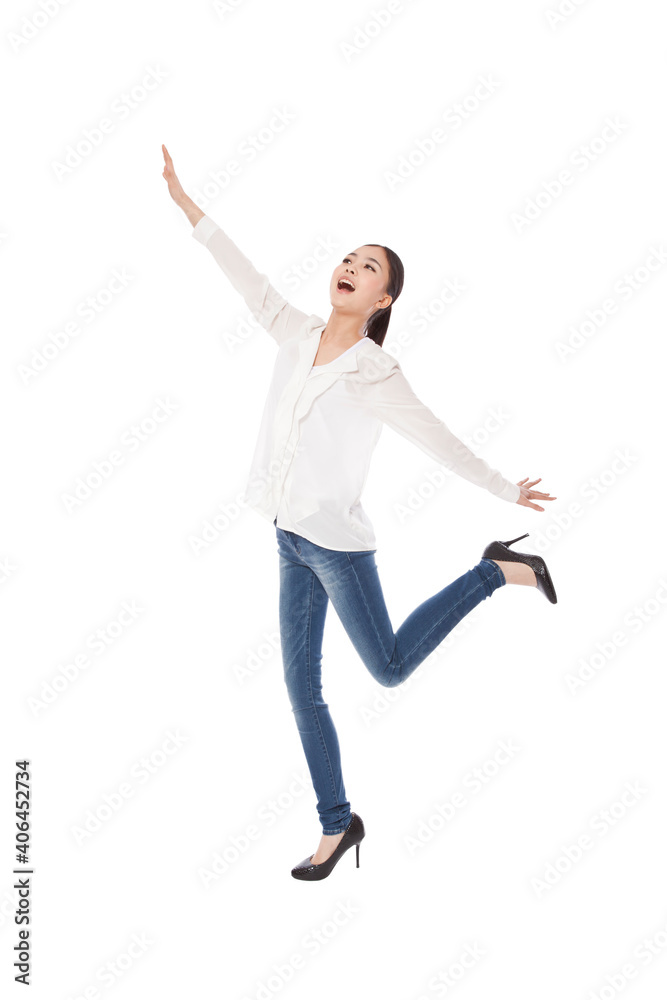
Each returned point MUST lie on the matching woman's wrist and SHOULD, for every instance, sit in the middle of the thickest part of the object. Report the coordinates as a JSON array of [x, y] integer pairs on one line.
[[193, 211]]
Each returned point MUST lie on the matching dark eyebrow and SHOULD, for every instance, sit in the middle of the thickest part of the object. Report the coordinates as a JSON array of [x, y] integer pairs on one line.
[[353, 254]]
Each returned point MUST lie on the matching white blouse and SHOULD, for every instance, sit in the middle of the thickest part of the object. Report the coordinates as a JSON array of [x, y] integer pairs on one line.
[[320, 424], [328, 426]]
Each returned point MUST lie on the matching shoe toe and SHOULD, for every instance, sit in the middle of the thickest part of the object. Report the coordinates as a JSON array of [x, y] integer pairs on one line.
[[303, 867]]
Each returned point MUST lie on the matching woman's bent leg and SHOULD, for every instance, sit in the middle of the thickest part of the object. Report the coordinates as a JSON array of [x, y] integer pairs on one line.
[[352, 584], [303, 605]]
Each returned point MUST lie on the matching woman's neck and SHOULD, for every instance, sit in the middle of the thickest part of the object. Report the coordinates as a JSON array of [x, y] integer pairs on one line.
[[342, 331]]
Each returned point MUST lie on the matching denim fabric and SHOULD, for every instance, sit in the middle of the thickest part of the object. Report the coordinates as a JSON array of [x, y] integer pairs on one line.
[[310, 576]]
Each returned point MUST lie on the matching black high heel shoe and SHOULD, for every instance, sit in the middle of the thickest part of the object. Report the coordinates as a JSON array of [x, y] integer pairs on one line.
[[500, 550], [353, 835]]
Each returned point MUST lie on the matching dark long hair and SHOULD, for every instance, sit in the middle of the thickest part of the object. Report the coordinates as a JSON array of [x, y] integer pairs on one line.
[[376, 325]]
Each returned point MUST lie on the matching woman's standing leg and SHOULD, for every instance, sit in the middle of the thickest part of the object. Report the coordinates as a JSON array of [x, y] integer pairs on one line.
[[303, 606], [352, 583]]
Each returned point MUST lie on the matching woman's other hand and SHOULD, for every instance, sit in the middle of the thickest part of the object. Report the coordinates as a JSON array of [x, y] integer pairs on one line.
[[528, 494]]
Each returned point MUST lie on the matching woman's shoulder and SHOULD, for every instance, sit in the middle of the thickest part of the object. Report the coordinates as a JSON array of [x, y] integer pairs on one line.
[[375, 364]]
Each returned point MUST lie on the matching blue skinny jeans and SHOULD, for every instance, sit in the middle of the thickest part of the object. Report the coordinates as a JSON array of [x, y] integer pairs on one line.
[[310, 576]]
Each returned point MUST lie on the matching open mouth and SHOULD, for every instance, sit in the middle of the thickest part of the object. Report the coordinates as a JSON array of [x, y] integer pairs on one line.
[[345, 286]]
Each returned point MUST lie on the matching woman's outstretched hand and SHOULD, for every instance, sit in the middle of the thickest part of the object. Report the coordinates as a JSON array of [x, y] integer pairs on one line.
[[528, 494], [193, 211], [175, 189]]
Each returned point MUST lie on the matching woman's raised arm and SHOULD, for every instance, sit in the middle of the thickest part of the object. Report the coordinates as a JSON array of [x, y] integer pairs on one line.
[[278, 317]]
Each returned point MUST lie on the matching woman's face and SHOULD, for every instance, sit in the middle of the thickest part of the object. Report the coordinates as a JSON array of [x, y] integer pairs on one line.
[[358, 283]]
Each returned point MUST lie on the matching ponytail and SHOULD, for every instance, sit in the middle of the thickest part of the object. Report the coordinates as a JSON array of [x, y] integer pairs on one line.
[[377, 323]]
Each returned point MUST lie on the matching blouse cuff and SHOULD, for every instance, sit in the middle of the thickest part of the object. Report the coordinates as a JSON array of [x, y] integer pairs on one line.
[[204, 229]]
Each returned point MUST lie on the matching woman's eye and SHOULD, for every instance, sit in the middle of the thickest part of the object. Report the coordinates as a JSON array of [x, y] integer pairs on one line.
[[346, 259]]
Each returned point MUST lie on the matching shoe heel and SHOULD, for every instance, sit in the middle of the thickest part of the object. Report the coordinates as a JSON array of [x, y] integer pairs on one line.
[[517, 539], [357, 855]]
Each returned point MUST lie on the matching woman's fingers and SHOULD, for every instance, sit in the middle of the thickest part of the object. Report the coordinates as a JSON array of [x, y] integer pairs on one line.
[[527, 484], [174, 185], [169, 164], [525, 502], [528, 494]]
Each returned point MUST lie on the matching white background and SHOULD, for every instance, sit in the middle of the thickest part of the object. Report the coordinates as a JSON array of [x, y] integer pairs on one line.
[[362, 89]]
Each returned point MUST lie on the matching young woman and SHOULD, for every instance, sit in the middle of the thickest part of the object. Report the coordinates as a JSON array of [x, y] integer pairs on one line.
[[333, 388]]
